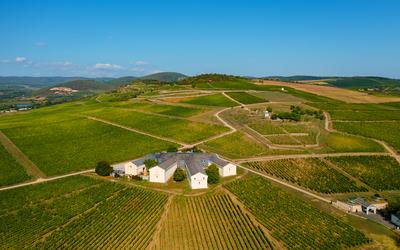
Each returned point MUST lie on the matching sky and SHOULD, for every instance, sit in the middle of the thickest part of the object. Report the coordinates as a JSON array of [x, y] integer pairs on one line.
[[251, 38]]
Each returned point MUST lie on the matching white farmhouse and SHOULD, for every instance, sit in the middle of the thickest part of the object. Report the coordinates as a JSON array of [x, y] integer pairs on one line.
[[130, 168], [163, 170]]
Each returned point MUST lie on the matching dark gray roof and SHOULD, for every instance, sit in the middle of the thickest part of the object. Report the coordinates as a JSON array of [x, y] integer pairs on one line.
[[214, 158], [362, 202], [196, 163]]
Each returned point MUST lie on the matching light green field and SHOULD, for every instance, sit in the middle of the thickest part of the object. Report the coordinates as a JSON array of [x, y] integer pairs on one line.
[[277, 96], [348, 143], [67, 146], [218, 100], [379, 115], [11, 171], [161, 109], [245, 98], [79, 212], [179, 129], [283, 140], [238, 145]]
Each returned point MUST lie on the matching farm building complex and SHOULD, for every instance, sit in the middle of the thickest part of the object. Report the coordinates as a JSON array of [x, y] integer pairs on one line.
[[166, 164]]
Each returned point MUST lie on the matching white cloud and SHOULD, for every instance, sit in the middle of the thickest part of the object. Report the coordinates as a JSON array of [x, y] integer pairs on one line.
[[107, 66], [141, 63], [20, 59]]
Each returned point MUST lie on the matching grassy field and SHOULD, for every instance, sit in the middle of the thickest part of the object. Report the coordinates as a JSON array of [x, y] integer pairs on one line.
[[386, 131], [218, 100], [238, 145], [282, 140], [347, 143], [11, 171], [379, 115], [212, 221], [72, 145], [310, 173], [245, 98], [68, 213], [267, 128], [179, 129], [296, 223], [277, 96], [379, 172], [161, 109]]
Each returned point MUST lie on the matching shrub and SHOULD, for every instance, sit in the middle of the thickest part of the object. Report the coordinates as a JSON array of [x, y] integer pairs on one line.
[[179, 175], [213, 174], [103, 168], [149, 163]]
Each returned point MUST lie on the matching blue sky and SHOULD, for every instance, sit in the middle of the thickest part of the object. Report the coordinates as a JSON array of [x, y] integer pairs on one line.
[[258, 38]]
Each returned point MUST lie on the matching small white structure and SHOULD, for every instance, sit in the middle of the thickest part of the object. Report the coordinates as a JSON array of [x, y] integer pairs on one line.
[[162, 172], [129, 168], [198, 181], [348, 206], [267, 115], [395, 220]]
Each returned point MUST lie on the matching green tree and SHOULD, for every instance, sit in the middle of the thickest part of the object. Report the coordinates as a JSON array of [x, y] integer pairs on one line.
[[179, 174], [103, 168], [149, 163], [213, 174], [269, 109]]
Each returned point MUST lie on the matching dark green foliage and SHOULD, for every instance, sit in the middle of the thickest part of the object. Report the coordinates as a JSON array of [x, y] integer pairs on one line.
[[213, 174], [296, 113], [103, 168], [179, 175], [269, 109], [149, 163]]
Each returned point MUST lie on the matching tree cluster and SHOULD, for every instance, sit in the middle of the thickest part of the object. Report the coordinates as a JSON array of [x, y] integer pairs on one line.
[[179, 175], [296, 113], [213, 174], [103, 168]]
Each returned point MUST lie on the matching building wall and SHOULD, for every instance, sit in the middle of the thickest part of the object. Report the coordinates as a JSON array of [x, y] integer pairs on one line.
[[170, 172], [227, 170], [157, 174], [380, 205], [395, 220], [198, 181], [132, 169], [347, 207]]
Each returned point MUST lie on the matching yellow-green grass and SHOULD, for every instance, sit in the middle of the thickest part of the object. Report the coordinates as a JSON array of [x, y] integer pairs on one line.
[[211, 221], [178, 129], [266, 128], [348, 143], [277, 96], [11, 171], [245, 98], [78, 144], [379, 115], [295, 127], [238, 145], [161, 109], [282, 139], [218, 100], [310, 173], [385, 131], [379, 172], [78, 212], [292, 221]]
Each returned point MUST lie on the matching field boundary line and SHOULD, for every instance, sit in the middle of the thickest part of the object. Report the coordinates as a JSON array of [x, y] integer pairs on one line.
[[41, 180], [158, 227], [136, 131], [287, 185], [30, 167]]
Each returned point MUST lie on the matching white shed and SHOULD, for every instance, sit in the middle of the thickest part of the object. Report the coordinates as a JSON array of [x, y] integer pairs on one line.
[[198, 181]]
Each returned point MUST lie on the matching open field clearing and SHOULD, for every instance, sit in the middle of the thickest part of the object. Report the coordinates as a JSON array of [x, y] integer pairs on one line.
[[178, 129], [211, 221], [379, 115], [282, 140], [245, 98], [87, 213], [218, 100], [228, 84], [238, 145], [347, 143], [296, 223], [277, 96], [267, 128], [311, 173], [385, 131], [332, 92], [11, 171], [160, 109], [78, 144], [342, 106], [379, 172]]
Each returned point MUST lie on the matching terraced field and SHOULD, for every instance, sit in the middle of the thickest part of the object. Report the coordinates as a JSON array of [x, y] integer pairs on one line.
[[178, 129], [245, 98], [77, 144], [12, 171], [290, 220], [68, 213], [311, 173], [379, 172], [212, 221]]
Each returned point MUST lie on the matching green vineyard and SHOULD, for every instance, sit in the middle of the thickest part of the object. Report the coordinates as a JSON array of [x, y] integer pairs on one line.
[[94, 215], [311, 173], [209, 222], [290, 220]]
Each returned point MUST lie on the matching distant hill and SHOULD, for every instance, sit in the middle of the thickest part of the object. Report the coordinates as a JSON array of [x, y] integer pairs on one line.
[[298, 78], [363, 82], [164, 77], [36, 81]]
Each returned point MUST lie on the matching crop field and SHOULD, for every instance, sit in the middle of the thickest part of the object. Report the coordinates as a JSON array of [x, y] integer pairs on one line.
[[236, 84], [161, 109], [290, 220], [218, 100], [88, 214], [386, 131], [179, 129], [381, 115], [11, 171], [310, 173], [212, 221], [267, 128], [277, 96], [72, 145], [379, 172], [347, 143], [282, 140], [245, 98], [238, 145]]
